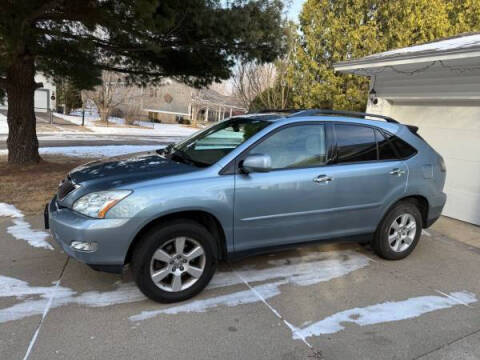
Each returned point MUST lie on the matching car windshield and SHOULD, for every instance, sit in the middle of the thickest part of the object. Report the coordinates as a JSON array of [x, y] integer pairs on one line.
[[212, 144]]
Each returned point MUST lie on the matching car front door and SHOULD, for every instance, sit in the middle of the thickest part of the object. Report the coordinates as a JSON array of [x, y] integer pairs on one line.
[[291, 202], [366, 175]]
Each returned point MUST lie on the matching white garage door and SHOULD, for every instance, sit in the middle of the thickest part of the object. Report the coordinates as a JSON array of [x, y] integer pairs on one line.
[[454, 131], [41, 100]]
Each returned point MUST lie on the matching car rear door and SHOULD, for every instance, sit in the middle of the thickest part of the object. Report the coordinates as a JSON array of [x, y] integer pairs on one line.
[[290, 203], [366, 175]]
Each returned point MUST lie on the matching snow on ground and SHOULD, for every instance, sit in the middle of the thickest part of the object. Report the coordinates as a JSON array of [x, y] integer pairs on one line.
[[22, 230], [148, 129], [7, 210], [93, 151], [3, 124]]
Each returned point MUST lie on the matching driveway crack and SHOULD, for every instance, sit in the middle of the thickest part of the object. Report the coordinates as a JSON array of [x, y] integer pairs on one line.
[[447, 344], [315, 354], [45, 312]]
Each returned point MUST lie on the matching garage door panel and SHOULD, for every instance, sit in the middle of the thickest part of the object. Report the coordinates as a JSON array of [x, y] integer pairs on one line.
[[41, 100], [454, 131], [453, 143], [463, 205], [460, 174], [464, 118]]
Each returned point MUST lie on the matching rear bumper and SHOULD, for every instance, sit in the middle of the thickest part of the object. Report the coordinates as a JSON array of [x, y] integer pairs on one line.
[[435, 209], [111, 237]]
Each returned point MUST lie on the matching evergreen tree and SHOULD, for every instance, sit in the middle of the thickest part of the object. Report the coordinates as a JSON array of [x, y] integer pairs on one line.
[[195, 41]]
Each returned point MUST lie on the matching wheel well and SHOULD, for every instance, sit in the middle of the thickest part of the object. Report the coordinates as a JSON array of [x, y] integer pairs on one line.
[[421, 203], [202, 217]]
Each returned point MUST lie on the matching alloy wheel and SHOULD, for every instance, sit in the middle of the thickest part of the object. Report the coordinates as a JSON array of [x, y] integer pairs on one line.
[[401, 233], [177, 264]]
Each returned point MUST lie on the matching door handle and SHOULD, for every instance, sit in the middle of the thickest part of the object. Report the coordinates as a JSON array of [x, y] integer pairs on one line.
[[397, 172], [322, 179]]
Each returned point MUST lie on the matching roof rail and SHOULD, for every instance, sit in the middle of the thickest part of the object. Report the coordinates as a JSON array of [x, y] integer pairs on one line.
[[356, 114], [287, 111]]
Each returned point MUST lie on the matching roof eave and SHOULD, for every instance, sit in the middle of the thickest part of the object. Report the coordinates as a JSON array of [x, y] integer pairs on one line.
[[355, 66]]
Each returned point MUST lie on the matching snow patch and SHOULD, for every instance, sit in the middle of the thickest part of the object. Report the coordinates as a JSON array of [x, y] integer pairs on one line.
[[22, 230], [382, 313], [94, 151], [148, 128], [237, 298], [34, 299], [3, 124], [301, 271], [8, 210]]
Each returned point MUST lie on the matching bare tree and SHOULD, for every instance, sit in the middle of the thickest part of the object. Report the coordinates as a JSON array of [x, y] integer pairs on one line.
[[267, 85], [111, 93], [262, 85], [132, 111], [250, 79]]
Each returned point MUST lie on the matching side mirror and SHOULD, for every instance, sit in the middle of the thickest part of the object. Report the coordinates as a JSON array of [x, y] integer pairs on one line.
[[256, 163]]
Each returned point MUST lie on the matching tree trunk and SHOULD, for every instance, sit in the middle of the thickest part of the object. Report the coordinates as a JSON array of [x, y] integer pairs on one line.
[[22, 139]]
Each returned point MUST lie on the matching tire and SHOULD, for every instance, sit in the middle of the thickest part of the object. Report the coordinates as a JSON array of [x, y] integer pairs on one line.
[[395, 242], [177, 275]]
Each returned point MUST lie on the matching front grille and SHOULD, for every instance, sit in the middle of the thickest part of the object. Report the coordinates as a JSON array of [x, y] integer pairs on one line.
[[66, 187]]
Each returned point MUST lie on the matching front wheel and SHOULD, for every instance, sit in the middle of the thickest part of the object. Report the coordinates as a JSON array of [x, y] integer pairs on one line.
[[399, 232], [174, 262]]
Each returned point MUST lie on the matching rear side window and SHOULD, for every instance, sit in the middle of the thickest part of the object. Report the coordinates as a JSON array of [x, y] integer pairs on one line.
[[355, 143], [403, 149]]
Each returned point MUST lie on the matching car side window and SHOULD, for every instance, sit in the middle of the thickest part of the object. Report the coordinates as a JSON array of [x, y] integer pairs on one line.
[[296, 146], [355, 143], [403, 149], [385, 148]]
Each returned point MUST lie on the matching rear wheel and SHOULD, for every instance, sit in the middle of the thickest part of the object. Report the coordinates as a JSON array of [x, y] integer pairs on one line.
[[399, 232], [174, 262]]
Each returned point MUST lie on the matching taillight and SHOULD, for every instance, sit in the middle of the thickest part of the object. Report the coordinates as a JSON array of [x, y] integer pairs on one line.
[[443, 168]]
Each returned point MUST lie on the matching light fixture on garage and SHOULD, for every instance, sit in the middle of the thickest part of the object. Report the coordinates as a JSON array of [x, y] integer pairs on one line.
[[372, 95]]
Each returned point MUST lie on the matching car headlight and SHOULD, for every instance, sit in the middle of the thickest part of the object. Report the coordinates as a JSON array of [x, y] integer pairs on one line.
[[96, 204]]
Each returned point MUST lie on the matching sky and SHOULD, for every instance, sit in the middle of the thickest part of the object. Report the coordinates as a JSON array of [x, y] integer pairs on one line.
[[295, 9]]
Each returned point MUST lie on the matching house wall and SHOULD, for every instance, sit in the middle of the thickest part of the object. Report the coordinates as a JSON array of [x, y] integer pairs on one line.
[[445, 106]]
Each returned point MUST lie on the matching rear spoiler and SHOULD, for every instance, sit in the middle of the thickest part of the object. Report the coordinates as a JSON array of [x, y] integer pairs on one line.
[[413, 129]]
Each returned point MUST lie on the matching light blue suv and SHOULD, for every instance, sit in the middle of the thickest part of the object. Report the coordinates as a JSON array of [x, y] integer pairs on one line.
[[249, 184]]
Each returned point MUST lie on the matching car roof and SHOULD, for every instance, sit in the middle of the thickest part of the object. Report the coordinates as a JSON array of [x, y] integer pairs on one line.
[[286, 117]]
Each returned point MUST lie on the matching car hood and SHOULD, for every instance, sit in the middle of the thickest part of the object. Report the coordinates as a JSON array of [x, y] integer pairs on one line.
[[128, 168]]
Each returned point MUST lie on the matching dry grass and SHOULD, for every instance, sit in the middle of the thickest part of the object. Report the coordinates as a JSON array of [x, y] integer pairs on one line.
[[30, 187]]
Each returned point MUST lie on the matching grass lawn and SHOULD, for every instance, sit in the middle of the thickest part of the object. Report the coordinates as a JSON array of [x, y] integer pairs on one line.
[[30, 187]]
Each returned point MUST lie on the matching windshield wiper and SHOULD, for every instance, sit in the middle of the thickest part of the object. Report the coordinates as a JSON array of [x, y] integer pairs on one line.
[[166, 150], [185, 158]]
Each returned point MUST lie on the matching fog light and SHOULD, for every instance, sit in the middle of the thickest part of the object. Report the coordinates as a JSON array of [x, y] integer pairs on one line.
[[84, 246]]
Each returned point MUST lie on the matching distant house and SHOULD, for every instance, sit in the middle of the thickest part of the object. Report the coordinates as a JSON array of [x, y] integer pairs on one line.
[[173, 101], [435, 86], [44, 97]]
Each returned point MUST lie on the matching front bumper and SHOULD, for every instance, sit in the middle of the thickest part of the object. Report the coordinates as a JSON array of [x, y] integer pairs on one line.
[[112, 236]]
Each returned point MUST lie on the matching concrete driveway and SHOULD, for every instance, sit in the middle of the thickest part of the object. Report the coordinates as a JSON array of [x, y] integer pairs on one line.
[[319, 302]]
